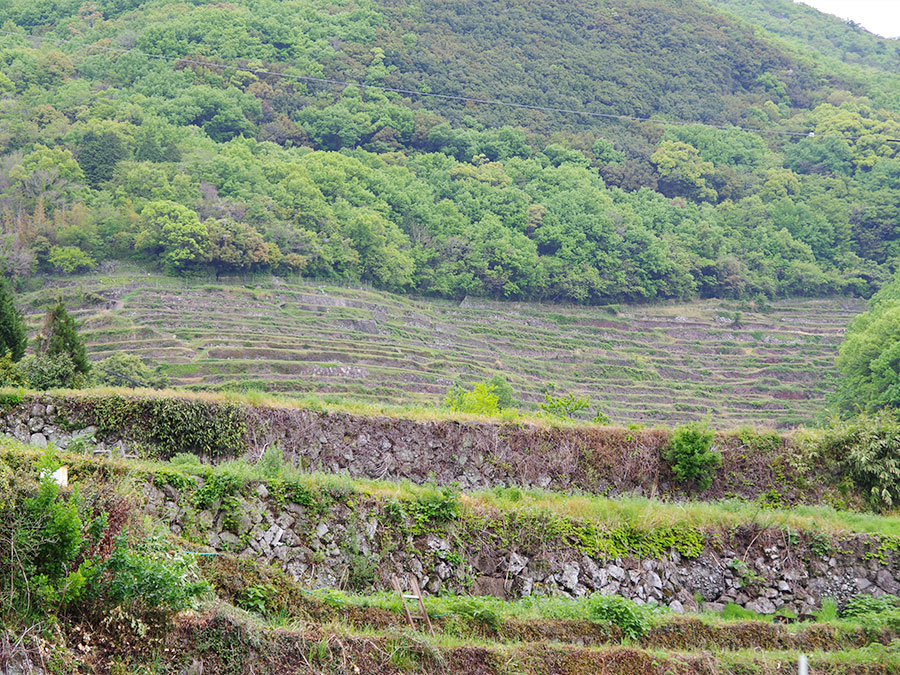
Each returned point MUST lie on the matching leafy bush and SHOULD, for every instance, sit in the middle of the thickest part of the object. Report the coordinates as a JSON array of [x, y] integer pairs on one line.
[[601, 418], [480, 400], [128, 370], [216, 486], [256, 598], [633, 619], [868, 450], [49, 536], [11, 398], [564, 407], [11, 374], [433, 506], [868, 357], [862, 605], [46, 371], [474, 608], [70, 259], [502, 390], [272, 464], [59, 565], [146, 573], [690, 454]]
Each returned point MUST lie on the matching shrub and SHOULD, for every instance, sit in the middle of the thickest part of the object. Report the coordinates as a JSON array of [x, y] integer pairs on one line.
[[11, 374], [633, 619], [564, 407], [49, 536], [67, 555], [434, 506], [256, 598], [481, 400], [146, 573], [862, 605], [502, 390], [272, 464], [691, 456], [601, 418], [474, 608], [46, 371], [129, 370], [70, 260], [868, 449]]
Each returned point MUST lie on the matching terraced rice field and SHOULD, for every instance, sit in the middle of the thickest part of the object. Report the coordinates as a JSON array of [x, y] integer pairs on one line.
[[650, 364]]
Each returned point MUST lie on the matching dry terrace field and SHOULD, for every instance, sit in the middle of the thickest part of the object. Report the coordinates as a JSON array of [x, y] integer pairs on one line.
[[642, 363]]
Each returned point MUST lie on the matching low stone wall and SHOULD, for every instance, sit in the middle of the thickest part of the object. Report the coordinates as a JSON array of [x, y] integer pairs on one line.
[[359, 541], [610, 461]]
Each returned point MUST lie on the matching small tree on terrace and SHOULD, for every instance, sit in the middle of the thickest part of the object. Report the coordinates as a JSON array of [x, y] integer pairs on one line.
[[13, 337], [59, 337]]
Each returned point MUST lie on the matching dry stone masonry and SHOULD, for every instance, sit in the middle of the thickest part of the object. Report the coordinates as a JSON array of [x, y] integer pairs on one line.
[[610, 461], [357, 547]]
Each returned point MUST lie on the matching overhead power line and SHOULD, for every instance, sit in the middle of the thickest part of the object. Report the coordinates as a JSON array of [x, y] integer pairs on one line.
[[426, 94]]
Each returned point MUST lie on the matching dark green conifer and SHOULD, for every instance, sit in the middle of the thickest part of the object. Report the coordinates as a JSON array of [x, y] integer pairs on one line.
[[13, 336], [59, 336]]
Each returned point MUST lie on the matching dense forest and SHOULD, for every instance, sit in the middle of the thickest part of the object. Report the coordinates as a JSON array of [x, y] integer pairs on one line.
[[804, 28], [190, 136]]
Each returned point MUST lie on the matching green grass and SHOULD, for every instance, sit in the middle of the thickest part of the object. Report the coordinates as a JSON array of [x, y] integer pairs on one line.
[[491, 611]]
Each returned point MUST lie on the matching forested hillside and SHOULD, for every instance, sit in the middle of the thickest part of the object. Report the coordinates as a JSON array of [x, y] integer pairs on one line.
[[828, 35], [185, 135]]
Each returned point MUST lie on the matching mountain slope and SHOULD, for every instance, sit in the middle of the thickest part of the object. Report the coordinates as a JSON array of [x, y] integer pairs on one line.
[[630, 57], [184, 136], [824, 33]]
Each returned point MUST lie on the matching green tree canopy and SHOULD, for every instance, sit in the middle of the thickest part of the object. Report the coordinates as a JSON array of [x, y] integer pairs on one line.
[[869, 357], [13, 336], [59, 337], [173, 234], [209, 158], [128, 370]]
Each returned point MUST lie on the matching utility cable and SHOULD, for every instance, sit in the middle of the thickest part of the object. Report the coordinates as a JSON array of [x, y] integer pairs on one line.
[[446, 97]]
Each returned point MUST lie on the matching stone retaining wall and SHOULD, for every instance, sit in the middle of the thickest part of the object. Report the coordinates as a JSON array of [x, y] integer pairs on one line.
[[359, 547], [610, 461]]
